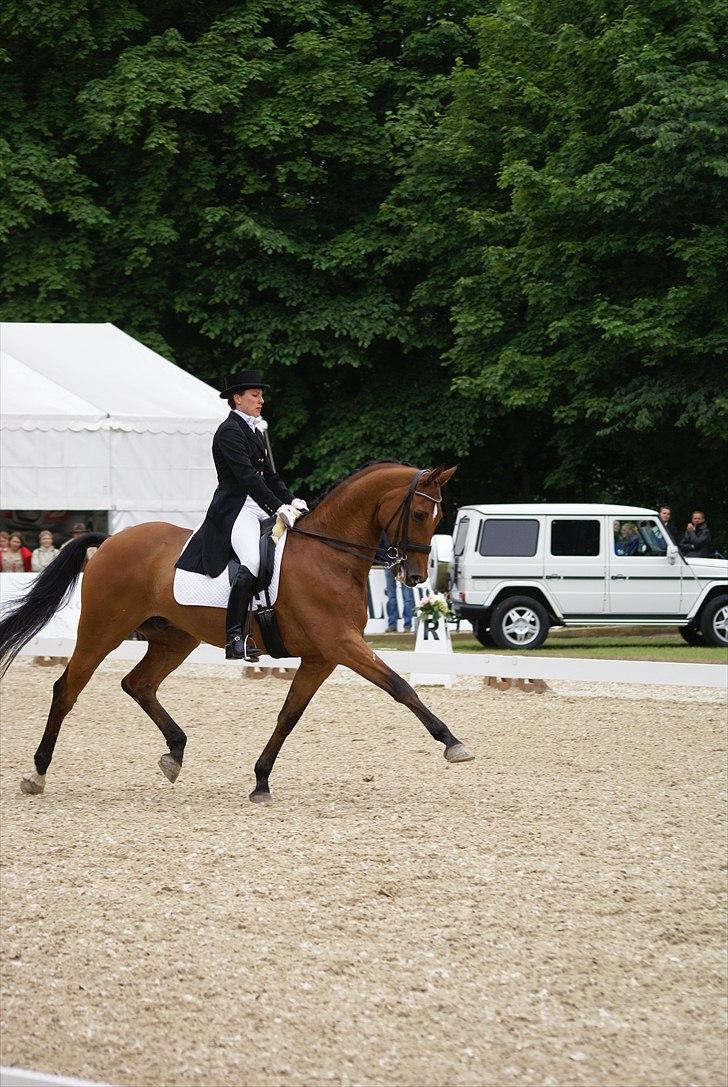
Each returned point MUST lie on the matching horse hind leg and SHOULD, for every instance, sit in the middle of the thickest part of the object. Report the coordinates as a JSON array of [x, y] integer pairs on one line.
[[168, 648], [91, 649]]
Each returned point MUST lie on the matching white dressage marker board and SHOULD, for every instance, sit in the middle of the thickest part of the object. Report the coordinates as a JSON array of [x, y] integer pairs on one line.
[[432, 637]]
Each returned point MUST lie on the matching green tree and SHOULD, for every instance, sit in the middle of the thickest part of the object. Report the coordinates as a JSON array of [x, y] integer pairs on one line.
[[568, 212], [445, 235]]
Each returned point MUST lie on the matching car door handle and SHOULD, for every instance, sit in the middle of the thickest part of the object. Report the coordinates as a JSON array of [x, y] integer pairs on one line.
[[619, 577], [552, 577]]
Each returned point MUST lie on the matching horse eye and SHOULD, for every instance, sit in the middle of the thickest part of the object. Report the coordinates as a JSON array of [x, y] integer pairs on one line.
[[418, 516]]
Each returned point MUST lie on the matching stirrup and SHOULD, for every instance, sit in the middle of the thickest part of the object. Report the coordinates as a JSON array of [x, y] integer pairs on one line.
[[241, 648]]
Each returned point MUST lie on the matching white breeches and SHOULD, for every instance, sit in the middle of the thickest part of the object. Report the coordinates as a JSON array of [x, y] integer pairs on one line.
[[245, 538]]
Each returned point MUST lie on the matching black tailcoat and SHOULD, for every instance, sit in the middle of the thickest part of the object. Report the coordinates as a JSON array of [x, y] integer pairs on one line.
[[243, 468]]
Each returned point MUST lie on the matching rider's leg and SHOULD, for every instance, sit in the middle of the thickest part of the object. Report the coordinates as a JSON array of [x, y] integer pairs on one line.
[[245, 541]]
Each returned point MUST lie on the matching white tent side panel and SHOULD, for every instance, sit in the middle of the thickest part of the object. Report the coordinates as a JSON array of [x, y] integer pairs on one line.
[[54, 469], [161, 472]]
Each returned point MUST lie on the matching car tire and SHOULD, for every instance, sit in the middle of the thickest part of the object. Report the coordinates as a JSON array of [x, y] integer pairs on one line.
[[691, 635], [519, 622], [481, 632], [714, 622]]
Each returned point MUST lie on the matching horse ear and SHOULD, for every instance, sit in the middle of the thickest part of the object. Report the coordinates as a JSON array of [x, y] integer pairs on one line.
[[439, 476], [431, 477]]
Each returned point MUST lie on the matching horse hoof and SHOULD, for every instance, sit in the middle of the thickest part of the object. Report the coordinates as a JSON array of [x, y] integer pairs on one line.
[[261, 798], [170, 768], [32, 784], [459, 753]]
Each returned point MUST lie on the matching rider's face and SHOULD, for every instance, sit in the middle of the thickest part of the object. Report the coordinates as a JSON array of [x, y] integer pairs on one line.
[[249, 401]]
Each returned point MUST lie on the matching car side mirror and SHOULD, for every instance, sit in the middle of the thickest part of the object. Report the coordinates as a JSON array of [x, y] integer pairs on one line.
[[672, 554]]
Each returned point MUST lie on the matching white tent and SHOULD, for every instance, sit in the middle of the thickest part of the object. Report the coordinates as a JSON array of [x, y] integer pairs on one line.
[[92, 419]]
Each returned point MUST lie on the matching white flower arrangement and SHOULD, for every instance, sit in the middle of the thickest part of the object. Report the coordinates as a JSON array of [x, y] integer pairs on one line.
[[434, 606]]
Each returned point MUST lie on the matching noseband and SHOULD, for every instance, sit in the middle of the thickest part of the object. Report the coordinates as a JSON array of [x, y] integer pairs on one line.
[[397, 552]]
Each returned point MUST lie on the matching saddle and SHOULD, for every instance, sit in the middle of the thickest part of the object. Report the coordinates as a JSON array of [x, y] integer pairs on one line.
[[264, 612]]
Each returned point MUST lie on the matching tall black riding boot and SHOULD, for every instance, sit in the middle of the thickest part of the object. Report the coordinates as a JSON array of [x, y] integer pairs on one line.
[[239, 647]]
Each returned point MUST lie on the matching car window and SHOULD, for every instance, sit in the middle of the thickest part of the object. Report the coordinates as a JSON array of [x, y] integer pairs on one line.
[[508, 537], [461, 533], [637, 537], [575, 538]]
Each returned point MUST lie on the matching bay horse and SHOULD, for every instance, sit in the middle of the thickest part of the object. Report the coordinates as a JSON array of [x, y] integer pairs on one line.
[[321, 607]]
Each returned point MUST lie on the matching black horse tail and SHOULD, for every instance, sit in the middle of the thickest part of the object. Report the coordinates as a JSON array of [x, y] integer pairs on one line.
[[23, 618]]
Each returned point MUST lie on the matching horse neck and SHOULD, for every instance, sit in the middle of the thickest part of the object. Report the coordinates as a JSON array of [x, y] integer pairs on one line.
[[350, 511]]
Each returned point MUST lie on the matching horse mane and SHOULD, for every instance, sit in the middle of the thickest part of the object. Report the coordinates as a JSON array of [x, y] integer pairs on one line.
[[349, 475]]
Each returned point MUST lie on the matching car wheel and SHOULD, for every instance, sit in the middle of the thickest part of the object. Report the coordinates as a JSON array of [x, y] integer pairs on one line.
[[519, 623], [482, 633], [691, 635], [714, 622]]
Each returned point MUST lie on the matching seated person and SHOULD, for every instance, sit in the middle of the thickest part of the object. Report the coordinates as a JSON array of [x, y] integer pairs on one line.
[[628, 541], [616, 528]]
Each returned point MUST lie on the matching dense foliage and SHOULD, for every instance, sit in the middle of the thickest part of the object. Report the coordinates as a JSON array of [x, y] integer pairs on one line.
[[487, 235]]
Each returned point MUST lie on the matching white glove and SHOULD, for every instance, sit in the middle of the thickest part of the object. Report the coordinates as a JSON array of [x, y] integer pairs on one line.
[[288, 514], [299, 504]]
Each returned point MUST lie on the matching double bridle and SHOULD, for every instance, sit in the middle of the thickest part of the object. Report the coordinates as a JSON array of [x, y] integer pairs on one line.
[[397, 552]]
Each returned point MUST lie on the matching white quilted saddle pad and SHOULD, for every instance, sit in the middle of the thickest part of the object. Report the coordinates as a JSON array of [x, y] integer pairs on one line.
[[213, 592]]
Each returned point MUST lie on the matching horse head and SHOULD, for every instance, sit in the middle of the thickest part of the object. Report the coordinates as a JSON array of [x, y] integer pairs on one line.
[[409, 515]]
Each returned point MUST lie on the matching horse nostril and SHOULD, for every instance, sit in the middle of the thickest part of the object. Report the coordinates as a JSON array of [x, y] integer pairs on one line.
[[415, 579]]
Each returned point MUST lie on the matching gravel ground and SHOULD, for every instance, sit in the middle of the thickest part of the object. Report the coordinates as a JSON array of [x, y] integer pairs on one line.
[[552, 913]]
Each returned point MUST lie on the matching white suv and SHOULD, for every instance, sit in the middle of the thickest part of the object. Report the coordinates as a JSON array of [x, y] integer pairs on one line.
[[517, 570]]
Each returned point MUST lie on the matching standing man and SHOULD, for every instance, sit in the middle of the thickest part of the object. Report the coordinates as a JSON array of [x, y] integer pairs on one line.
[[665, 517], [697, 540], [408, 597]]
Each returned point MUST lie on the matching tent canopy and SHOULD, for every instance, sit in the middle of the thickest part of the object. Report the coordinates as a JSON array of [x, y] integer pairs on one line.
[[92, 419], [54, 408]]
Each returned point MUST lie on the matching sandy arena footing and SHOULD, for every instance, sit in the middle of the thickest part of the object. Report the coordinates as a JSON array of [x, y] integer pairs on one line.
[[552, 913]]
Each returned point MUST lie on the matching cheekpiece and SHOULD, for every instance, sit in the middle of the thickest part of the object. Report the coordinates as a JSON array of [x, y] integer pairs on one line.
[[244, 379]]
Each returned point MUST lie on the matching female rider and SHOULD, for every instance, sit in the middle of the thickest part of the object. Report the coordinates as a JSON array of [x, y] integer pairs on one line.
[[249, 491]]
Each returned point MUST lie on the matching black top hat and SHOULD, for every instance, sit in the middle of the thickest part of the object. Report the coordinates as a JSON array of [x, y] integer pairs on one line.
[[244, 379]]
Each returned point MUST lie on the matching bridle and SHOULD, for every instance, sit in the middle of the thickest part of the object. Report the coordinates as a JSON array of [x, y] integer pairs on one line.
[[397, 552]]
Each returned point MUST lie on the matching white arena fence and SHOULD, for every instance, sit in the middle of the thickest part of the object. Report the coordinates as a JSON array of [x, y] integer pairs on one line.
[[58, 639], [528, 666]]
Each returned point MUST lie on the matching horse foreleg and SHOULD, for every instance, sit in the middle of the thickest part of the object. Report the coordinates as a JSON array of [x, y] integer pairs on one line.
[[166, 652], [306, 682], [358, 656]]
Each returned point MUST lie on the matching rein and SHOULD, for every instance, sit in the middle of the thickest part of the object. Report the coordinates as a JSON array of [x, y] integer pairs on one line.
[[396, 553]]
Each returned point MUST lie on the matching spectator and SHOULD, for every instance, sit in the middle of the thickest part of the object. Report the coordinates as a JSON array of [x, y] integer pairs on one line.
[[4, 541], [627, 542], [16, 558], [616, 528], [79, 529], [44, 553], [408, 598], [697, 540], [665, 518]]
